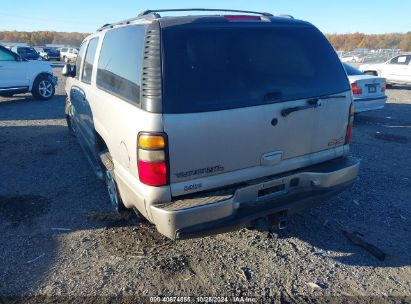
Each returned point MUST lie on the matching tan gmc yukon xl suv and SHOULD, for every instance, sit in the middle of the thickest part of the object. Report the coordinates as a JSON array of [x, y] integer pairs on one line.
[[210, 123]]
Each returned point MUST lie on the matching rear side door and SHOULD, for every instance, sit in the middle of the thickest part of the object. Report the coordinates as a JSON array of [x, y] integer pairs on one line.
[[244, 99], [13, 73], [81, 93]]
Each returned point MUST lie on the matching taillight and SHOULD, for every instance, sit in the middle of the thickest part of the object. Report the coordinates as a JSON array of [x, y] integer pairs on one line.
[[383, 86], [350, 124], [356, 90], [152, 158]]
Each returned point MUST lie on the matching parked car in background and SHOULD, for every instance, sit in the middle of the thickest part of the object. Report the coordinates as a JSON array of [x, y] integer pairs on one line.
[[397, 70], [199, 128], [368, 90], [68, 54], [19, 75], [49, 53], [26, 52], [350, 59]]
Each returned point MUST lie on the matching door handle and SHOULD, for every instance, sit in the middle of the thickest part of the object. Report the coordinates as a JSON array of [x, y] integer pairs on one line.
[[271, 158]]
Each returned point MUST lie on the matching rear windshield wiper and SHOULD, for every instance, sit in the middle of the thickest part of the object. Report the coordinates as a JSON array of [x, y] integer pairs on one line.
[[311, 103]]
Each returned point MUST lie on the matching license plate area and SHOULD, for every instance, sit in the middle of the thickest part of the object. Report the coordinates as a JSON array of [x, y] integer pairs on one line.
[[271, 190], [372, 88]]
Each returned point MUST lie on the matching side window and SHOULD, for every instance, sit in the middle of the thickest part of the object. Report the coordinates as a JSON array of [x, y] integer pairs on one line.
[[80, 58], [89, 60], [119, 66], [404, 60], [6, 56]]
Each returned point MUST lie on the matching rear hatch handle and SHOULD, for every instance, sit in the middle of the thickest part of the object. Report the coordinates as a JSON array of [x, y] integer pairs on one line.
[[311, 103]]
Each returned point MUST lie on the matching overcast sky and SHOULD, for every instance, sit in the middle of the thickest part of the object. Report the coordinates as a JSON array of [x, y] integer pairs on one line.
[[332, 16]]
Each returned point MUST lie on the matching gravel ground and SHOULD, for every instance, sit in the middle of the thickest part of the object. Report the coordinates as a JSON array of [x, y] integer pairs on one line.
[[60, 238]]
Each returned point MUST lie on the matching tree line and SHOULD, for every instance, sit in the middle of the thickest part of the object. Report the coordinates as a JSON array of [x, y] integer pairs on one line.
[[43, 37], [341, 42], [349, 42]]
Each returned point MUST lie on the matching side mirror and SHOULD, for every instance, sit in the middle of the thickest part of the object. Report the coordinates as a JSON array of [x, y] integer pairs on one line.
[[69, 70]]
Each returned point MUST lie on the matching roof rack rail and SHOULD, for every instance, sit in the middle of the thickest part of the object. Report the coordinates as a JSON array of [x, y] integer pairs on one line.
[[285, 16], [127, 21], [151, 14], [201, 10]]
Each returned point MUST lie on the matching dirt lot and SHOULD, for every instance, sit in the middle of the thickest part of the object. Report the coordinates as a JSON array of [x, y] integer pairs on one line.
[[59, 237]]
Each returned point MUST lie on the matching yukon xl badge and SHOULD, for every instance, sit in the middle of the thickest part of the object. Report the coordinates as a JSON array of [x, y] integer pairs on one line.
[[209, 170]]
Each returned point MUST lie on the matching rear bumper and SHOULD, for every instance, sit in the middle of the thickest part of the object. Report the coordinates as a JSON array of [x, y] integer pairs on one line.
[[368, 104], [255, 200]]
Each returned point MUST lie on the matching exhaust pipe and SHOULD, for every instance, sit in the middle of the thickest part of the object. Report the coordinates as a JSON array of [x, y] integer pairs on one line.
[[279, 220], [276, 221], [282, 224]]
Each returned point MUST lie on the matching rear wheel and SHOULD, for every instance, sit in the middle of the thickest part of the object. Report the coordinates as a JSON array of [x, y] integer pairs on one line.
[[109, 177], [43, 88]]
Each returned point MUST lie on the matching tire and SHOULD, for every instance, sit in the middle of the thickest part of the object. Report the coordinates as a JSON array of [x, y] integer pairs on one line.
[[43, 88], [70, 126], [109, 178]]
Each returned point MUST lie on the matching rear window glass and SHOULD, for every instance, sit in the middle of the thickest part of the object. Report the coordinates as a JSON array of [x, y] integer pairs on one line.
[[210, 69], [119, 66], [351, 71]]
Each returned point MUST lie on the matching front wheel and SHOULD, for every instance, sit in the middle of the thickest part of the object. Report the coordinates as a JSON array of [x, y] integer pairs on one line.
[[43, 88]]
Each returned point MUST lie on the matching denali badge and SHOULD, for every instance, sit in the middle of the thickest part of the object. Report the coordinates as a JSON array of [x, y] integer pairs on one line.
[[209, 170], [193, 187]]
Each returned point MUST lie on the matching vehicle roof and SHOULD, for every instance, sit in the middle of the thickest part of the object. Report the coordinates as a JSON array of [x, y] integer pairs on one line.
[[180, 20], [167, 21]]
